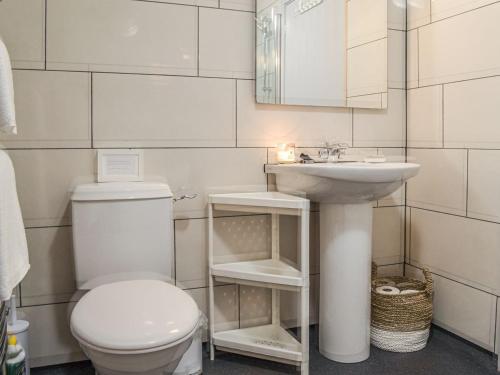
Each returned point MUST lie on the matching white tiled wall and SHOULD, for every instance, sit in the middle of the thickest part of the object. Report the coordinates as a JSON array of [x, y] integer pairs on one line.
[[453, 116], [175, 78], [466, 311], [53, 110], [27, 43]]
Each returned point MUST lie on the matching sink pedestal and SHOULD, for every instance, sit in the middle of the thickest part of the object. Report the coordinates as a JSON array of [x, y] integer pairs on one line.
[[345, 274], [344, 191]]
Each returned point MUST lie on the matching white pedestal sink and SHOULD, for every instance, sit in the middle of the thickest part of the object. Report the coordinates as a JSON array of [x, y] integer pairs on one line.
[[346, 192]]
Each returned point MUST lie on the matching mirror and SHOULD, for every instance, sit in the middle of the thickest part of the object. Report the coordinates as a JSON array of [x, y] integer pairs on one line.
[[322, 53]]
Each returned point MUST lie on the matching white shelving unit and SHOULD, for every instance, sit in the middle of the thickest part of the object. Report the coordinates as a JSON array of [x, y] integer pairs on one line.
[[271, 341]]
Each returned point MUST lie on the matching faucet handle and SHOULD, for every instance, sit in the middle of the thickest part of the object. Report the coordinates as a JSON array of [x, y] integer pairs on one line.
[[323, 153], [343, 147]]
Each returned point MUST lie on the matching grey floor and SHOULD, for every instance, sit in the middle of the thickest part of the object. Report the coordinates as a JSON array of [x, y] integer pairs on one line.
[[445, 355]]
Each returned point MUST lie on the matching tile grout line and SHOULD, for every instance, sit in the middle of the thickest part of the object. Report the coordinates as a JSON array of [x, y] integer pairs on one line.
[[45, 36], [198, 42], [371, 41], [405, 229], [236, 113], [418, 58], [495, 335], [442, 115], [159, 2], [460, 13], [175, 251], [456, 215], [92, 110], [420, 267], [467, 186], [194, 76], [240, 78]]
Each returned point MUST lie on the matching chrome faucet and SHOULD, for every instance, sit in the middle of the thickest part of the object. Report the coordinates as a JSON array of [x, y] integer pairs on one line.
[[332, 152]]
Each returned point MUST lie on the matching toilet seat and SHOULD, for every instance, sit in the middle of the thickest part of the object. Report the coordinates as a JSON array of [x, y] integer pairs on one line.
[[136, 316]]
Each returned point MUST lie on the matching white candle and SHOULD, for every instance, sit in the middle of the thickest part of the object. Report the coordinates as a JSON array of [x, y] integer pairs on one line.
[[283, 155]]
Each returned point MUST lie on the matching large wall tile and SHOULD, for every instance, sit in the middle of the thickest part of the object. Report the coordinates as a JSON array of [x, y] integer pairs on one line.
[[26, 44], [227, 43], [484, 185], [242, 238], [463, 310], [463, 249], [425, 117], [201, 3], [497, 342], [51, 278], [449, 50], [390, 270], [396, 63], [447, 8], [147, 37], [53, 110], [266, 125], [373, 101], [442, 181], [226, 305], [288, 240], [50, 339], [290, 304], [362, 78], [412, 59], [418, 13], [381, 128], [471, 113], [397, 198], [367, 21], [235, 239], [191, 253], [145, 111], [205, 171], [247, 5], [255, 306], [396, 15], [45, 179], [388, 235]]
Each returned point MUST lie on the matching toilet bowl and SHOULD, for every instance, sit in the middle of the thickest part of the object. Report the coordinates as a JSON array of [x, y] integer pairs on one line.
[[135, 327]]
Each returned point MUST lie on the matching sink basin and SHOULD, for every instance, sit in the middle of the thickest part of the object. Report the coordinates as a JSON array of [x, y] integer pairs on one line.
[[342, 182], [346, 192]]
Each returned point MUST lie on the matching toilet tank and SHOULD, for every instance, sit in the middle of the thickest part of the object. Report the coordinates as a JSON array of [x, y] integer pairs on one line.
[[122, 231]]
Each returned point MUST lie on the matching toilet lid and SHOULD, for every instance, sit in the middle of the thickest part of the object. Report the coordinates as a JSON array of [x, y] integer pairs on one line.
[[134, 315]]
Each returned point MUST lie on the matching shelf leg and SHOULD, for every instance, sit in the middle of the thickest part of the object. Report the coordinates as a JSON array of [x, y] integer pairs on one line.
[[304, 329], [211, 325], [304, 368], [304, 293], [275, 238], [211, 320]]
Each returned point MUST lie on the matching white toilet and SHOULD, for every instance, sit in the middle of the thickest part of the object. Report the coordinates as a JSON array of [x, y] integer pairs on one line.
[[132, 321]]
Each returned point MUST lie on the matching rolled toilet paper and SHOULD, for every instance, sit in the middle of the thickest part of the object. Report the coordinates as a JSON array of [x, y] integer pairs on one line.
[[387, 290], [409, 291]]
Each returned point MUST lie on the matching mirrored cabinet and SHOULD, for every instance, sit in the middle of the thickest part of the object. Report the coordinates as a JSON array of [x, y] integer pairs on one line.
[[322, 52]]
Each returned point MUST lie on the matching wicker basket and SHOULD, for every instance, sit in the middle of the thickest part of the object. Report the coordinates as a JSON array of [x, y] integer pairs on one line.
[[401, 322]]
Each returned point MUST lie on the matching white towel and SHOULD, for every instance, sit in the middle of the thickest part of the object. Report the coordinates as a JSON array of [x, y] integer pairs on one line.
[[14, 262], [7, 107]]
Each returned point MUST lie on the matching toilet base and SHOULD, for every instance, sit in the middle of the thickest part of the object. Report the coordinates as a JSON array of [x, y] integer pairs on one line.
[[161, 362]]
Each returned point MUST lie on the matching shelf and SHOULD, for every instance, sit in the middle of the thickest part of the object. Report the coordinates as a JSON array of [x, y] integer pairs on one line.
[[263, 271], [261, 199], [268, 340]]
